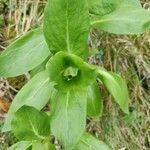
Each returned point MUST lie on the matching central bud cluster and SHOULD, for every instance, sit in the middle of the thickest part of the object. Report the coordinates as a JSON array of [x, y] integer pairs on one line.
[[69, 71]]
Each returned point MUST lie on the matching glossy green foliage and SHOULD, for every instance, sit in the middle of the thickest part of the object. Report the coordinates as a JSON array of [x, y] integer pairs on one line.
[[23, 145], [24, 54], [88, 142], [94, 101], [30, 124], [68, 118], [66, 26], [67, 80], [117, 88], [120, 17], [69, 71], [35, 93]]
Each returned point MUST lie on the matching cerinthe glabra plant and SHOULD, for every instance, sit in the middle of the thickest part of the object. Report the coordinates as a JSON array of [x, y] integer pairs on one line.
[[57, 60]]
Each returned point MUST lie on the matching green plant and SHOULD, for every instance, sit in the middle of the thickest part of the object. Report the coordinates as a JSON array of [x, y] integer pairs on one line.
[[61, 75]]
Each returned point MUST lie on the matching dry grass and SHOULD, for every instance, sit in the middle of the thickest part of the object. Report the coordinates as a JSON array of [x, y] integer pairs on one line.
[[126, 55], [130, 57]]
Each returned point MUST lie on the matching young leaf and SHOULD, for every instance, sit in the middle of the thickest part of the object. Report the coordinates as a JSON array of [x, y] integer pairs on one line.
[[30, 124], [88, 142], [69, 71], [24, 54], [23, 145], [94, 101], [68, 117], [66, 26], [35, 93], [117, 88], [125, 20]]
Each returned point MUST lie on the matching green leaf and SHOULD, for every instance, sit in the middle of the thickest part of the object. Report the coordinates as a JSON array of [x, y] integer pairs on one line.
[[133, 3], [69, 71], [68, 117], [23, 145], [35, 93], [30, 124], [94, 101], [43, 146], [88, 142], [66, 26], [39, 68], [125, 20], [117, 88], [24, 54], [38, 146], [104, 7]]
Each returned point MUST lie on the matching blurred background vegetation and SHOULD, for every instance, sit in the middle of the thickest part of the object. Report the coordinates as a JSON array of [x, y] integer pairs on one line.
[[126, 55]]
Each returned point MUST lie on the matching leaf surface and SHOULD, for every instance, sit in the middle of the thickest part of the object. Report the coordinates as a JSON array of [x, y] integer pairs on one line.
[[88, 142], [126, 20], [30, 124], [43, 146], [39, 68], [23, 145], [35, 93], [104, 7], [66, 26], [117, 88], [24, 54], [94, 101], [68, 117]]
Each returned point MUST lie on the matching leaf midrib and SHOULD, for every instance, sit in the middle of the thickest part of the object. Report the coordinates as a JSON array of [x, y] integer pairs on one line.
[[67, 28], [90, 146], [67, 104], [34, 130]]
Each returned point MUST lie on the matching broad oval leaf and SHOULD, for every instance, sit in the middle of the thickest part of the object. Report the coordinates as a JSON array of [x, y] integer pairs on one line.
[[66, 26], [24, 54], [125, 20], [94, 101], [69, 71], [35, 93], [117, 87], [68, 118], [30, 124], [88, 142], [23, 145]]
